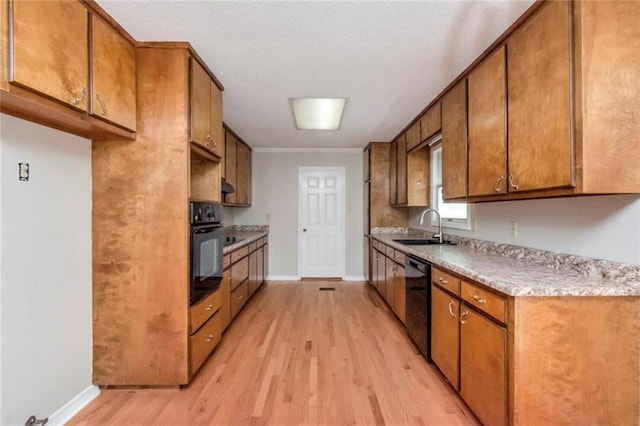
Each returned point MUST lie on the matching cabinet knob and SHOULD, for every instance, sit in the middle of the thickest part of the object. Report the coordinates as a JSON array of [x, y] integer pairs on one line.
[[443, 280], [479, 299], [209, 338], [83, 92], [512, 183], [497, 187], [208, 307], [451, 309], [104, 108]]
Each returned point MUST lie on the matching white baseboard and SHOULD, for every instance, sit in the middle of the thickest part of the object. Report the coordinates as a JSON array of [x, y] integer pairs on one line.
[[282, 278], [354, 278], [72, 407]]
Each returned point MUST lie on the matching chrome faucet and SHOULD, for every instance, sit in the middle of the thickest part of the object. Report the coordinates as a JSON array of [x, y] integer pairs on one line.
[[439, 234]]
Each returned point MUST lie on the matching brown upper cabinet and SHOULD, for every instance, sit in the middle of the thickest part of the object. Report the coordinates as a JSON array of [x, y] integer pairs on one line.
[[237, 170], [539, 101], [487, 126], [60, 68], [206, 110], [413, 135], [81, 80], [430, 122], [113, 66], [454, 142]]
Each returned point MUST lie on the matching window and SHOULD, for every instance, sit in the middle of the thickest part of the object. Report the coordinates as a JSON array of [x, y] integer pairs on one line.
[[454, 215]]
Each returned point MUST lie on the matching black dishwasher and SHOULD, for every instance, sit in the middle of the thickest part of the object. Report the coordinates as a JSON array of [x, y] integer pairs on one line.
[[418, 303]]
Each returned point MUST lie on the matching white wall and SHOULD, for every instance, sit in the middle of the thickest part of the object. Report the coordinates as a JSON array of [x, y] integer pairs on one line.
[[275, 203], [602, 227], [45, 259]]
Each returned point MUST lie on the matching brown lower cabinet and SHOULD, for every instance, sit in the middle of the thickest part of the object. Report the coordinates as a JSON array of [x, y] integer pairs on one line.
[[529, 360], [389, 277], [246, 272]]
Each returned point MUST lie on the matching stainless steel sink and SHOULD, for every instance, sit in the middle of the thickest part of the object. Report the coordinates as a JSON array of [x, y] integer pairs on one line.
[[423, 242]]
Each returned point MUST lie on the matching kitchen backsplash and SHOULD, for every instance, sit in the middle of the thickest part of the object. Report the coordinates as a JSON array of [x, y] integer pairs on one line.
[[620, 272]]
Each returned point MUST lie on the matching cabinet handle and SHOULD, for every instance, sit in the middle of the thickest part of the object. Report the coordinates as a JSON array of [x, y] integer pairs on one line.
[[479, 299], [83, 92], [104, 108], [240, 297], [209, 338], [443, 280], [213, 141], [208, 307], [497, 187], [208, 140], [462, 315], [451, 309], [512, 183]]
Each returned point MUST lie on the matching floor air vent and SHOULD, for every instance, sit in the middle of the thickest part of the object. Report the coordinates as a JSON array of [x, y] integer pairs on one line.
[[327, 289]]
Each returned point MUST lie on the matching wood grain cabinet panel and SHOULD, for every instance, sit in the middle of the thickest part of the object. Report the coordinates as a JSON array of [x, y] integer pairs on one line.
[[202, 343], [230, 165], [430, 122], [445, 334], [454, 142], [539, 101], [243, 174], [487, 126], [113, 66], [200, 104], [483, 367], [413, 135], [390, 282], [239, 297], [400, 293], [215, 120], [402, 171], [59, 66]]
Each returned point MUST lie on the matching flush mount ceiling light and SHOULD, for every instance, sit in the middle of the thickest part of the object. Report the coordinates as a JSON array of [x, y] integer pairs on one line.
[[317, 113]]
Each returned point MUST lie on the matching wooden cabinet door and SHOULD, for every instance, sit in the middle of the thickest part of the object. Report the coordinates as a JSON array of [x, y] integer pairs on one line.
[[230, 165], [225, 308], [381, 274], [253, 272], [487, 126], [200, 104], [483, 369], [260, 274], [454, 142], [402, 170], [400, 294], [430, 122], [539, 101], [217, 132], [243, 174], [390, 282], [367, 259], [445, 334], [59, 67], [113, 67], [393, 173], [413, 135]]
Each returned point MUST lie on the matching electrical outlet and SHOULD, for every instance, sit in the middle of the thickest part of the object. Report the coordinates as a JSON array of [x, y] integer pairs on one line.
[[513, 228], [23, 172]]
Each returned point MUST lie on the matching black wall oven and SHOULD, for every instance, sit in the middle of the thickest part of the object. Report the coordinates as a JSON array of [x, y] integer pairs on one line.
[[207, 240], [418, 303]]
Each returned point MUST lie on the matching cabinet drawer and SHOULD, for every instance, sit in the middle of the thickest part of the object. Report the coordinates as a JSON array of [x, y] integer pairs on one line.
[[239, 254], [389, 251], [201, 311], [446, 280], [239, 272], [399, 257], [253, 246], [239, 298], [202, 343], [226, 261], [486, 301]]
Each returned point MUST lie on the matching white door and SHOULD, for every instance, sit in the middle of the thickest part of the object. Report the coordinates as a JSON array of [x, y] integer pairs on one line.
[[321, 219]]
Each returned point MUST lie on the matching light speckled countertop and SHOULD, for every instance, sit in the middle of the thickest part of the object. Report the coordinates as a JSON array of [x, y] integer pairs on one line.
[[243, 236], [512, 276]]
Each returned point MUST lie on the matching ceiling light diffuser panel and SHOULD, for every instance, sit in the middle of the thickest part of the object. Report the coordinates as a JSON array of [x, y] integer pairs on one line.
[[317, 113]]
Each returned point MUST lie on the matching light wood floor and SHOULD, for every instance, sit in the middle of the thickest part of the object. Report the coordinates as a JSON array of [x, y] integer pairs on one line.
[[297, 355]]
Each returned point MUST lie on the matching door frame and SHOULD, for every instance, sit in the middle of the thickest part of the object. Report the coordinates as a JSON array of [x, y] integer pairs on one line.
[[342, 243]]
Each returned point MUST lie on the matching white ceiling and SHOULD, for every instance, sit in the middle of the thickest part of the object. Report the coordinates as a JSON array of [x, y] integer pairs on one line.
[[389, 58]]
